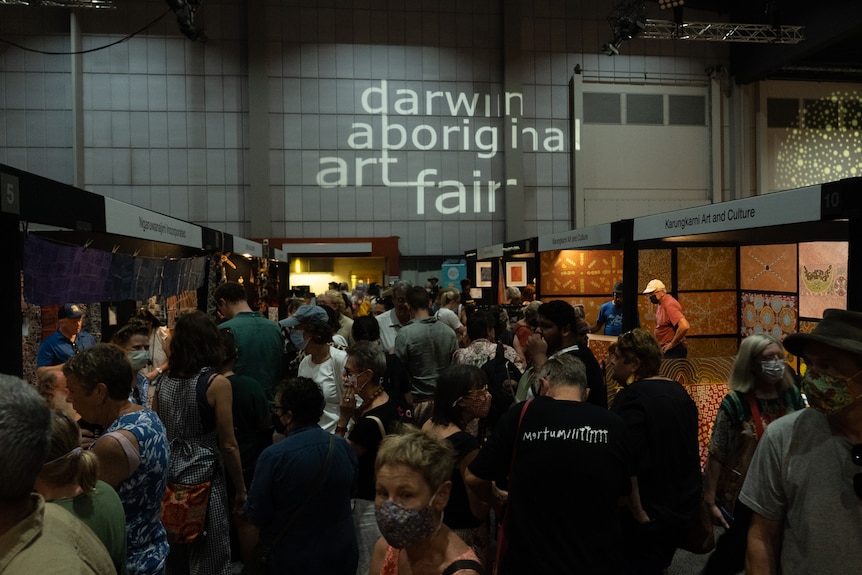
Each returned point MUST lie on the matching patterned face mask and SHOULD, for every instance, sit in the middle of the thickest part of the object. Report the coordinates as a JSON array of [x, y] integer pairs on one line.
[[402, 527], [297, 338], [827, 394], [480, 405]]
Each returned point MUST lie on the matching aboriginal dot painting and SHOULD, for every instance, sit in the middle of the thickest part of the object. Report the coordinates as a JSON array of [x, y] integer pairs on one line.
[[710, 313], [770, 314], [647, 311], [712, 346], [591, 305], [770, 268], [706, 268], [572, 272], [824, 145], [822, 277], [654, 264]]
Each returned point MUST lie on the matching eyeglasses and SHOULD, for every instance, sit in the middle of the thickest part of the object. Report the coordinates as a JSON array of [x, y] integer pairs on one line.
[[479, 390], [275, 409], [856, 457]]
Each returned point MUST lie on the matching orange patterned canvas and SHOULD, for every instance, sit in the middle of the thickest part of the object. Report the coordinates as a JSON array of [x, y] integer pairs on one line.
[[706, 268], [654, 264], [573, 272], [712, 346], [647, 311], [768, 268], [591, 305], [710, 313], [708, 399], [822, 277]]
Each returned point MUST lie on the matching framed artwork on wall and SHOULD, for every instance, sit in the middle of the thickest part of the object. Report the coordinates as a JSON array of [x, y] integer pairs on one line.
[[483, 274], [516, 274]]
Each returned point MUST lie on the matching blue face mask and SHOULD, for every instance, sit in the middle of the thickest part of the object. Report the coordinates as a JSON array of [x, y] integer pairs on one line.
[[297, 338]]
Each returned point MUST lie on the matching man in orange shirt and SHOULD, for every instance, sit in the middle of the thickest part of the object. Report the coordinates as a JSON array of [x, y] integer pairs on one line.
[[670, 324]]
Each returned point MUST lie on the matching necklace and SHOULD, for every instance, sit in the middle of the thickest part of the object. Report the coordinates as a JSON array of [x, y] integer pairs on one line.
[[370, 401]]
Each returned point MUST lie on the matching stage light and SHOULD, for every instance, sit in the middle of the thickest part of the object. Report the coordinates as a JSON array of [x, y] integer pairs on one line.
[[665, 4]]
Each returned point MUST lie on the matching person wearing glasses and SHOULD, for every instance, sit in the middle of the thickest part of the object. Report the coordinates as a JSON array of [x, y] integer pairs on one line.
[[377, 414], [762, 390], [67, 341], [300, 498], [804, 484], [611, 314], [662, 423], [462, 396]]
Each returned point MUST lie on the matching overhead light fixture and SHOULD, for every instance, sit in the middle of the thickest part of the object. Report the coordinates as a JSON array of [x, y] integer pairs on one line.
[[62, 3], [665, 4], [186, 11]]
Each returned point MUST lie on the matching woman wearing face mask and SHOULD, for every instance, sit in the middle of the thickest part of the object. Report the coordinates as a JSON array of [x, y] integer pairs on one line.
[[378, 414], [462, 396], [134, 338], [762, 390], [413, 488]]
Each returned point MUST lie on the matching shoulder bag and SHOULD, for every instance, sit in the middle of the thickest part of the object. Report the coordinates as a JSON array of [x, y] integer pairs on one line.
[[190, 476], [735, 466]]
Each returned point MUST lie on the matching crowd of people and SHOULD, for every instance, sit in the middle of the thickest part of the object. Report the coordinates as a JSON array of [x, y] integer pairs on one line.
[[410, 431]]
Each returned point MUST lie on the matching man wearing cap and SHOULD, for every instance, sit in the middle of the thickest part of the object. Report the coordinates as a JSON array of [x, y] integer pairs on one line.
[[309, 330], [611, 314], [67, 341], [258, 340], [558, 331], [805, 480], [670, 325]]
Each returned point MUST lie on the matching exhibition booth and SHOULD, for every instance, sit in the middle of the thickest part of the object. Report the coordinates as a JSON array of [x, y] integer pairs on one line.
[[766, 264], [71, 245]]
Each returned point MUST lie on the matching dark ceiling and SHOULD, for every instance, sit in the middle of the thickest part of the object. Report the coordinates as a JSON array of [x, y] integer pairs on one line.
[[831, 51]]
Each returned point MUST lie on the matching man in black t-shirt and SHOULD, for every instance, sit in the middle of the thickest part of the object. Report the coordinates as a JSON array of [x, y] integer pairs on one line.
[[569, 463], [558, 330]]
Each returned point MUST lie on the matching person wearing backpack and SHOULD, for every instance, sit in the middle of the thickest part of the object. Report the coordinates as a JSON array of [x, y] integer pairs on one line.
[[501, 363]]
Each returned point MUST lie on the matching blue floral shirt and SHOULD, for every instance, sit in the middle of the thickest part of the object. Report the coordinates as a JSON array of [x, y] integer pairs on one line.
[[142, 493]]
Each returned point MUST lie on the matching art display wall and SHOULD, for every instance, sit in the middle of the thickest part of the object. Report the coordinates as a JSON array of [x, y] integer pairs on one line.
[[727, 292]]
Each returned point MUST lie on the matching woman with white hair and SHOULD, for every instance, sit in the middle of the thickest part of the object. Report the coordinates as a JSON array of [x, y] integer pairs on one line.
[[762, 390]]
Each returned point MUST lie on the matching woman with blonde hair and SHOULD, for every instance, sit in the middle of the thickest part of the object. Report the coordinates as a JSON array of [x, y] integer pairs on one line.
[[413, 487], [70, 479], [762, 390], [449, 312]]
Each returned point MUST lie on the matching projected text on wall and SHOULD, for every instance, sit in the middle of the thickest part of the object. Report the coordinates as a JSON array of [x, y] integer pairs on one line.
[[404, 120]]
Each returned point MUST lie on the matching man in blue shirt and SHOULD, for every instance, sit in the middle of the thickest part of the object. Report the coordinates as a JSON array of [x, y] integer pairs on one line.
[[611, 314], [67, 341]]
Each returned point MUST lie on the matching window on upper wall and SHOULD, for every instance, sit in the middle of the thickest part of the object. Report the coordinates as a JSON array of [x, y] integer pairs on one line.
[[645, 109], [782, 113], [686, 110], [601, 108]]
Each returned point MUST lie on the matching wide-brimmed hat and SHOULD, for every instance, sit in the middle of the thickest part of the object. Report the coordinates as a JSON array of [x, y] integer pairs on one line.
[[654, 285], [306, 314], [839, 328]]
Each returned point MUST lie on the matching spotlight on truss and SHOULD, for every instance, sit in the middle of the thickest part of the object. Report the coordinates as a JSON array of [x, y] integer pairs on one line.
[[665, 4], [186, 11]]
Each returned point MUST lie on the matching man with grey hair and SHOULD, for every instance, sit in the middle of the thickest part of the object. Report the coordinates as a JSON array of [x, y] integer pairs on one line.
[[393, 320], [804, 484], [333, 300], [567, 462], [36, 537]]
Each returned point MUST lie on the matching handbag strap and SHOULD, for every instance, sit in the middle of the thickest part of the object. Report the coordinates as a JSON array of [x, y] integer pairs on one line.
[[311, 493], [755, 413], [205, 410], [461, 564]]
